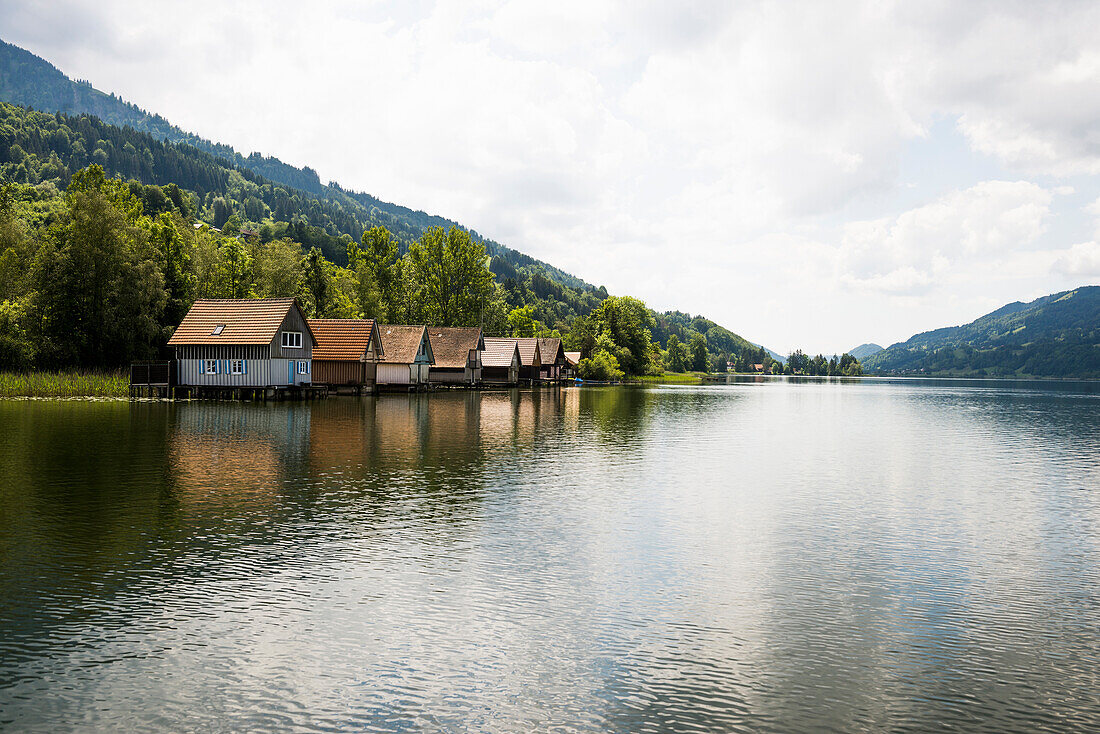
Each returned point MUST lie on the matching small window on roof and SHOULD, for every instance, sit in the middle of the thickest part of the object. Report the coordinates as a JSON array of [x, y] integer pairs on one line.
[[218, 330]]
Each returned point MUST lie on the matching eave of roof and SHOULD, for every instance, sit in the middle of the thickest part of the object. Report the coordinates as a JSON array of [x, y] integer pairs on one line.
[[245, 321], [341, 339]]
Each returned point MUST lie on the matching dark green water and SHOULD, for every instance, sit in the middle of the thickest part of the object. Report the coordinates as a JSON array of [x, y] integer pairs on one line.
[[767, 556]]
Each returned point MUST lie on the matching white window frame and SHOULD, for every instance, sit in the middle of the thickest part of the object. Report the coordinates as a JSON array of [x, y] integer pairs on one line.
[[292, 340], [236, 366], [210, 367], [302, 368]]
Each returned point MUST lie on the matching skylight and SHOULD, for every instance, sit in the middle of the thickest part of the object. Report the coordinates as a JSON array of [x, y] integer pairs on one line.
[[217, 330]]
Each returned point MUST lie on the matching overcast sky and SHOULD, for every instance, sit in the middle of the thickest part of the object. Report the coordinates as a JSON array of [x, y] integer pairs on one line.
[[810, 175]]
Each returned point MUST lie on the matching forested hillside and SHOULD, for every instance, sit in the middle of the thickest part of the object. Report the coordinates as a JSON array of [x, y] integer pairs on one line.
[[30, 81], [1053, 336], [211, 183]]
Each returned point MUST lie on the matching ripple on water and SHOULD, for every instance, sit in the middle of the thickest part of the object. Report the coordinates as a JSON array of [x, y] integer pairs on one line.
[[775, 557]]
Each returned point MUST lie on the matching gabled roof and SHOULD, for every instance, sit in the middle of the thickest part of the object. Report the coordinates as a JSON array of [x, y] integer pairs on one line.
[[573, 358], [401, 343], [342, 339], [550, 350], [243, 321], [451, 345], [528, 351], [499, 352]]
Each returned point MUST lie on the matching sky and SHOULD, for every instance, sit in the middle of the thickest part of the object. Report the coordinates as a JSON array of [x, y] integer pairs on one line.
[[810, 175]]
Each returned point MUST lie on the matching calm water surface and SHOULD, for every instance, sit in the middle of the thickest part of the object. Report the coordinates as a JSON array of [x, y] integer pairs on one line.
[[769, 556]]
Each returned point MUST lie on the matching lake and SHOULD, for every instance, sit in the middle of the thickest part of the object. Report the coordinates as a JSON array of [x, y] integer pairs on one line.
[[765, 555]]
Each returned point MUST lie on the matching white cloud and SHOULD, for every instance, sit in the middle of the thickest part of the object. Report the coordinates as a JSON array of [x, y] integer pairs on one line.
[[1080, 261], [912, 252], [742, 160]]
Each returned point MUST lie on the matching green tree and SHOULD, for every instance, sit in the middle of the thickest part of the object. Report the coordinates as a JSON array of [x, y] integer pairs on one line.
[[235, 273], [222, 211], [628, 324], [17, 347], [317, 284], [698, 349], [277, 269], [99, 301], [449, 278], [720, 363], [175, 264], [521, 322], [677, 355], [379, 273]]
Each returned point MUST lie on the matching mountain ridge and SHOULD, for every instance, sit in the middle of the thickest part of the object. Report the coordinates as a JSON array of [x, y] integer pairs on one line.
[[865, 350], [1057, 335]]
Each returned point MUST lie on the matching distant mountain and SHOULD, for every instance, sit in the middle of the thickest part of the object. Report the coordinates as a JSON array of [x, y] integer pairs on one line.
[[1053, 336], [774, 355], [864, 350]]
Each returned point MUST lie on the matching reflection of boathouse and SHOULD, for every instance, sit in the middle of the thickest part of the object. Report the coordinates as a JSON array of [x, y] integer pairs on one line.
[[237, 449]]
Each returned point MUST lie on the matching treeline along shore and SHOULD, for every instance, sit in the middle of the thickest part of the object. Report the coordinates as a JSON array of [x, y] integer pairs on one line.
[[97, 272]]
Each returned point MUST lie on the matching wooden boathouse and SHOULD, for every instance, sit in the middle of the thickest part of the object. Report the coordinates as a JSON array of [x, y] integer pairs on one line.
[[347, 353], [500, 362], [530, 361], [407, 357], [551, 358], [457, 351], [235, 347]]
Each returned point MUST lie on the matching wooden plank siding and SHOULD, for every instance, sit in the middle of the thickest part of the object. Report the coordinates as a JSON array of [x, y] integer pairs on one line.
[[339, 372]]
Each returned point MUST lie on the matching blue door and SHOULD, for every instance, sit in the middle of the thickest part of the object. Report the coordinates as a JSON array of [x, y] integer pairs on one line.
[[290, 372]]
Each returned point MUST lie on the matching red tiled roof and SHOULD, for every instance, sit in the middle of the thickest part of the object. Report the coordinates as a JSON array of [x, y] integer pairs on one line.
[[528, 350], [451, 345], [244, 321], [341, 339], [498, 352]]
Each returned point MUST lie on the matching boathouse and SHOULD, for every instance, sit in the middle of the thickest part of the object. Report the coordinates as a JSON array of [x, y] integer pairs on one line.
[[500, 361], [530, 362], [572, 359], [347, 352], [244, 343], [457, 352], [552, 358], [407, 356]]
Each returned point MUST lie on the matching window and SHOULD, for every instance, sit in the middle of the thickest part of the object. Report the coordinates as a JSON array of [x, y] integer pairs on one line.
[[210, 367], [236, 367], [218, 330], [303, 368], [292, 339]]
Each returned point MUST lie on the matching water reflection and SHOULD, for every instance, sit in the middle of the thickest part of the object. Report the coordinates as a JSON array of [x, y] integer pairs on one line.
[[762, 555]]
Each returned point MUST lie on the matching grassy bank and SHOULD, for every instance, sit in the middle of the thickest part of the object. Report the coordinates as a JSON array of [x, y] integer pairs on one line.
[[63, 384], [683, 378]]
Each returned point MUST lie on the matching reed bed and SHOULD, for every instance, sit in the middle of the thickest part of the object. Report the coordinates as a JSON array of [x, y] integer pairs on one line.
[[685, 378], [64, 385]]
